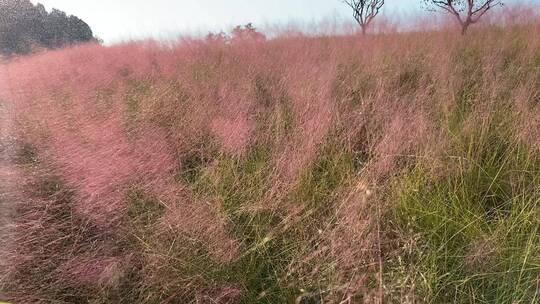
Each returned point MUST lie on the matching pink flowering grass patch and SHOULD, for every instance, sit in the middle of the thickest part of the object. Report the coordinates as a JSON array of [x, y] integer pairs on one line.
[[105, 162], [297, 168]]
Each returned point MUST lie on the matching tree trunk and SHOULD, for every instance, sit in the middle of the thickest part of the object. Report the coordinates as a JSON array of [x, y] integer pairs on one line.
[[465, 27], [364, 30]]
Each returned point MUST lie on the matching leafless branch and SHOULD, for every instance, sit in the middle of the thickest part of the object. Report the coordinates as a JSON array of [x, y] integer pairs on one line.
[[466, 12], [364, 11]]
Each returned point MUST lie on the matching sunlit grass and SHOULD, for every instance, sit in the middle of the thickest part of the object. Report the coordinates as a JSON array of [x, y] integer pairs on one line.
[[296, 170]]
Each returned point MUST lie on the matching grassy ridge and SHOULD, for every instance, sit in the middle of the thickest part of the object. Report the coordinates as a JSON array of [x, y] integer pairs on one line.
[[398, 167]]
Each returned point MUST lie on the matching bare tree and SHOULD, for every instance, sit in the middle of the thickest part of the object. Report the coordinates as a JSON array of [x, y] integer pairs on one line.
[[467, 12], [365, 11]]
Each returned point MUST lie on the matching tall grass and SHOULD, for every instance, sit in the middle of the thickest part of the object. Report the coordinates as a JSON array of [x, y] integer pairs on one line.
[[396, 167]]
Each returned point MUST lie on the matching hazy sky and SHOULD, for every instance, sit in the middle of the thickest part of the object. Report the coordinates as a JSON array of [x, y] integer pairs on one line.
[[114, 20]]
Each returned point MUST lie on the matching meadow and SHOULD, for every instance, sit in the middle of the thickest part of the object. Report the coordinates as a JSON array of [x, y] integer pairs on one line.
[[388, 168]]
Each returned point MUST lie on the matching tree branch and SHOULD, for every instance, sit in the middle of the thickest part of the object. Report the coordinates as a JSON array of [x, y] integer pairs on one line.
[[364, 11]]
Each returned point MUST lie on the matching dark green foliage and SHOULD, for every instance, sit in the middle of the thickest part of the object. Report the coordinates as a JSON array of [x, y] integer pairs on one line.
[[193, 162], [138, 90], [143, 209], [331, 170], [412, 76], [275, 120], [353, 84], [24, 26], [191, 166]]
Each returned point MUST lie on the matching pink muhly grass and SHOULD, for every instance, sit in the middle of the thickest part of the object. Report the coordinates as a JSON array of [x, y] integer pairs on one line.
[[313, 115], [404, 138], [108, 120], [221, 295], [102, 162], [201, 221], [97, 271], [232, 134]]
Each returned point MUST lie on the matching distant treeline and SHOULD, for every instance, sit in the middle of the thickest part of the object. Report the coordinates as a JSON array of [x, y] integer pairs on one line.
[[25, 27]]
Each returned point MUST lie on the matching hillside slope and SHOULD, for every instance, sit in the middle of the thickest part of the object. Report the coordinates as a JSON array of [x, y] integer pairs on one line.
[[402, 167]]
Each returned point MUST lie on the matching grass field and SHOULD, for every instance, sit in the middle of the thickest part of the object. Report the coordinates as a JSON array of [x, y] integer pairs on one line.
[[395, 168]]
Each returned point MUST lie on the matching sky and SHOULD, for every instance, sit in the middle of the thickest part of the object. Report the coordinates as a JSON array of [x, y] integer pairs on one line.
[[119, 20]]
